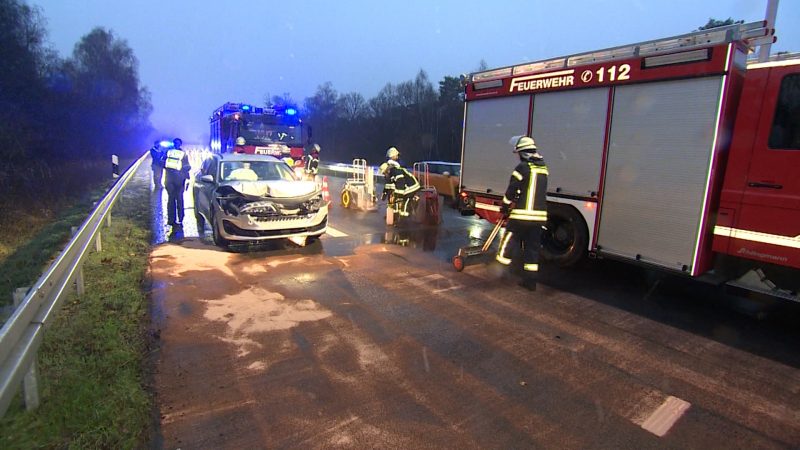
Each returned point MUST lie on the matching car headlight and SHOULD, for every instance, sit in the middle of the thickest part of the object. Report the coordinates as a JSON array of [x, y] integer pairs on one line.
[[313, 204], [260, 209]]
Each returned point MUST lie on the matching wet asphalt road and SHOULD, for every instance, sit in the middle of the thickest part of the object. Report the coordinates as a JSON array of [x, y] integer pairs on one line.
[[369, 339]]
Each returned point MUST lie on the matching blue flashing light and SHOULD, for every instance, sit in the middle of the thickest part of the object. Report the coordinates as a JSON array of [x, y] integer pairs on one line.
[[291, 111], [165, 144], [245, 108]]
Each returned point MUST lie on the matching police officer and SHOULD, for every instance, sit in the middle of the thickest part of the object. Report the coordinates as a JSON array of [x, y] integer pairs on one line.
[[157, 163], [177, 177], [404, 182], [312, 162], [525, 205]]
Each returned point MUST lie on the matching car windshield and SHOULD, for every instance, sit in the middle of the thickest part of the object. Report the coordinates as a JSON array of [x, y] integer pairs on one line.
[[255, 171]]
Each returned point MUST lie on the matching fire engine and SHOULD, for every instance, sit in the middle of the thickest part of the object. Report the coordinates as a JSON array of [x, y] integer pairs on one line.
[[679, 153], [275, 130]]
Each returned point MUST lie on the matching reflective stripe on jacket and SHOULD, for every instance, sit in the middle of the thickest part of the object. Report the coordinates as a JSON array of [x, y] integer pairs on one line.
[[174, 159], [527, 189]]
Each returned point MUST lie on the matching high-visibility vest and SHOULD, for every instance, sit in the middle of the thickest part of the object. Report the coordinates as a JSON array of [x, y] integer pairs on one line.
[[174, 159], [528, 190]]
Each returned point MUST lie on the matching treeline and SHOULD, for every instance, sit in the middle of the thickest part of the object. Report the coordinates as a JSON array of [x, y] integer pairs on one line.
[[422, 121], [62, 118]]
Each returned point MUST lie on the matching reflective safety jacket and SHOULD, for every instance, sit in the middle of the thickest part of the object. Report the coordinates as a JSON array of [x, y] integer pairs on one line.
[[527, 189], [174, 159], [312, 164], [404, 182], [177, 163]]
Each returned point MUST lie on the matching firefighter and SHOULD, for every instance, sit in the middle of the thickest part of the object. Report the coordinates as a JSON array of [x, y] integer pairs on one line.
[[157, 164], [311, 167], [239, 147], [405, 185], [177, 177], [525, 206]]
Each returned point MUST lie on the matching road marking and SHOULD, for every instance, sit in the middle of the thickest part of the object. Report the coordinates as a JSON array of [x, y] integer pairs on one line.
[[665, 416], [334, 232]]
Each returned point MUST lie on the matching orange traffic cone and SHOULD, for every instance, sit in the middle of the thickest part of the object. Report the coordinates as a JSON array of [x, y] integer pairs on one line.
[[326, 195]]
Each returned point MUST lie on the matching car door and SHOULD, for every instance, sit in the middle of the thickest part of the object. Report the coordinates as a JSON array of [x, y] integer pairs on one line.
[[204, 190]]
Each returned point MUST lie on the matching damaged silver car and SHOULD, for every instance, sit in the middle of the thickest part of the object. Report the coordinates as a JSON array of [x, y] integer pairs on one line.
[[256, 197]]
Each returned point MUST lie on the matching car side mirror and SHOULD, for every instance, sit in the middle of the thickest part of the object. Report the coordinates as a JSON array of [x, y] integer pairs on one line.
[[206, 179]]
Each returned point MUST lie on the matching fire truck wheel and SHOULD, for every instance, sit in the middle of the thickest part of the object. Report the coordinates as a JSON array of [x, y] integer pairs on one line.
[[566, 239], [346, 199]]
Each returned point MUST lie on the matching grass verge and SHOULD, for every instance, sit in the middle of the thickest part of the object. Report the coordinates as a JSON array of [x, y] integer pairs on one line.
[[31, 240], [91, 364]]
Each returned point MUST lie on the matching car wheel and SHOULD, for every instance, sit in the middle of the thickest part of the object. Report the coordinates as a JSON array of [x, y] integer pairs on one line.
[[218, 239]]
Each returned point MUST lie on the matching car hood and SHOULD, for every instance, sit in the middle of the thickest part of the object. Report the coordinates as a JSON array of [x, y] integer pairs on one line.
[[275, 189]]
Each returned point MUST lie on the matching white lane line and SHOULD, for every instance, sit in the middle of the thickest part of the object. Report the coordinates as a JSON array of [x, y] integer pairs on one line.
[[334, 232], [665, 416]]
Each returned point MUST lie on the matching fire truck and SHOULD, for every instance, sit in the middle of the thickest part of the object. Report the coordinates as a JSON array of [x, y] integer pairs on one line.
[[275, 130], [681, 154]]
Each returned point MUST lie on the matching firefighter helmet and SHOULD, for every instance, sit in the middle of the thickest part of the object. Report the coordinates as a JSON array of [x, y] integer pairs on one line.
[[525, 144], [316, 148], [177, 142], [383, 168], [392, 153], [240, 141]]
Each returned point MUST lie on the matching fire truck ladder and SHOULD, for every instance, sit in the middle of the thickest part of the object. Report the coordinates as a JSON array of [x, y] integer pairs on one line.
[[752, 34]]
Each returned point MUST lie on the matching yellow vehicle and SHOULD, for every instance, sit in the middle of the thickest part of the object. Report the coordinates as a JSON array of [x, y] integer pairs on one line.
[[443, 176]]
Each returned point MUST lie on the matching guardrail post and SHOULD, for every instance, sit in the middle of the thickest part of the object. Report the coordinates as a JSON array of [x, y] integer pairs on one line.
[[98, 243], [30, 384], [108, 219], [80, 286]]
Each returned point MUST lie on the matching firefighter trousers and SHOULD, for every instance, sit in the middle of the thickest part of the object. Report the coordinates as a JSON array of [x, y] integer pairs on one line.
[[527, 237], [406, 204]]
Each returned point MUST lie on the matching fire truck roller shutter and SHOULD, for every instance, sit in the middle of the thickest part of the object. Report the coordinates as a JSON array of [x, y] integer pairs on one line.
[[570, 128], [657, 171], [488, 160]]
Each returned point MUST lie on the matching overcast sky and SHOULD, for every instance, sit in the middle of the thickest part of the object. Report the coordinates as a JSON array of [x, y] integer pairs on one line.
[[195, 55]]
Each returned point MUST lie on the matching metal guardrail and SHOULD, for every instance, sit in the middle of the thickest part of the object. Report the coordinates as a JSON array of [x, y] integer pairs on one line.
[[22, 334]]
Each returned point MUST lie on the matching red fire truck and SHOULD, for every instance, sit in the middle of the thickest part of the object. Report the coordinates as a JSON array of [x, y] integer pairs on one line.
[[678, 153], [276, 130]]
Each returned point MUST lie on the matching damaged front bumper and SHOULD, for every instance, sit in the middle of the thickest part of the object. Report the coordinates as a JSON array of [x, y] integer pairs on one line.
[[246, 218]]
